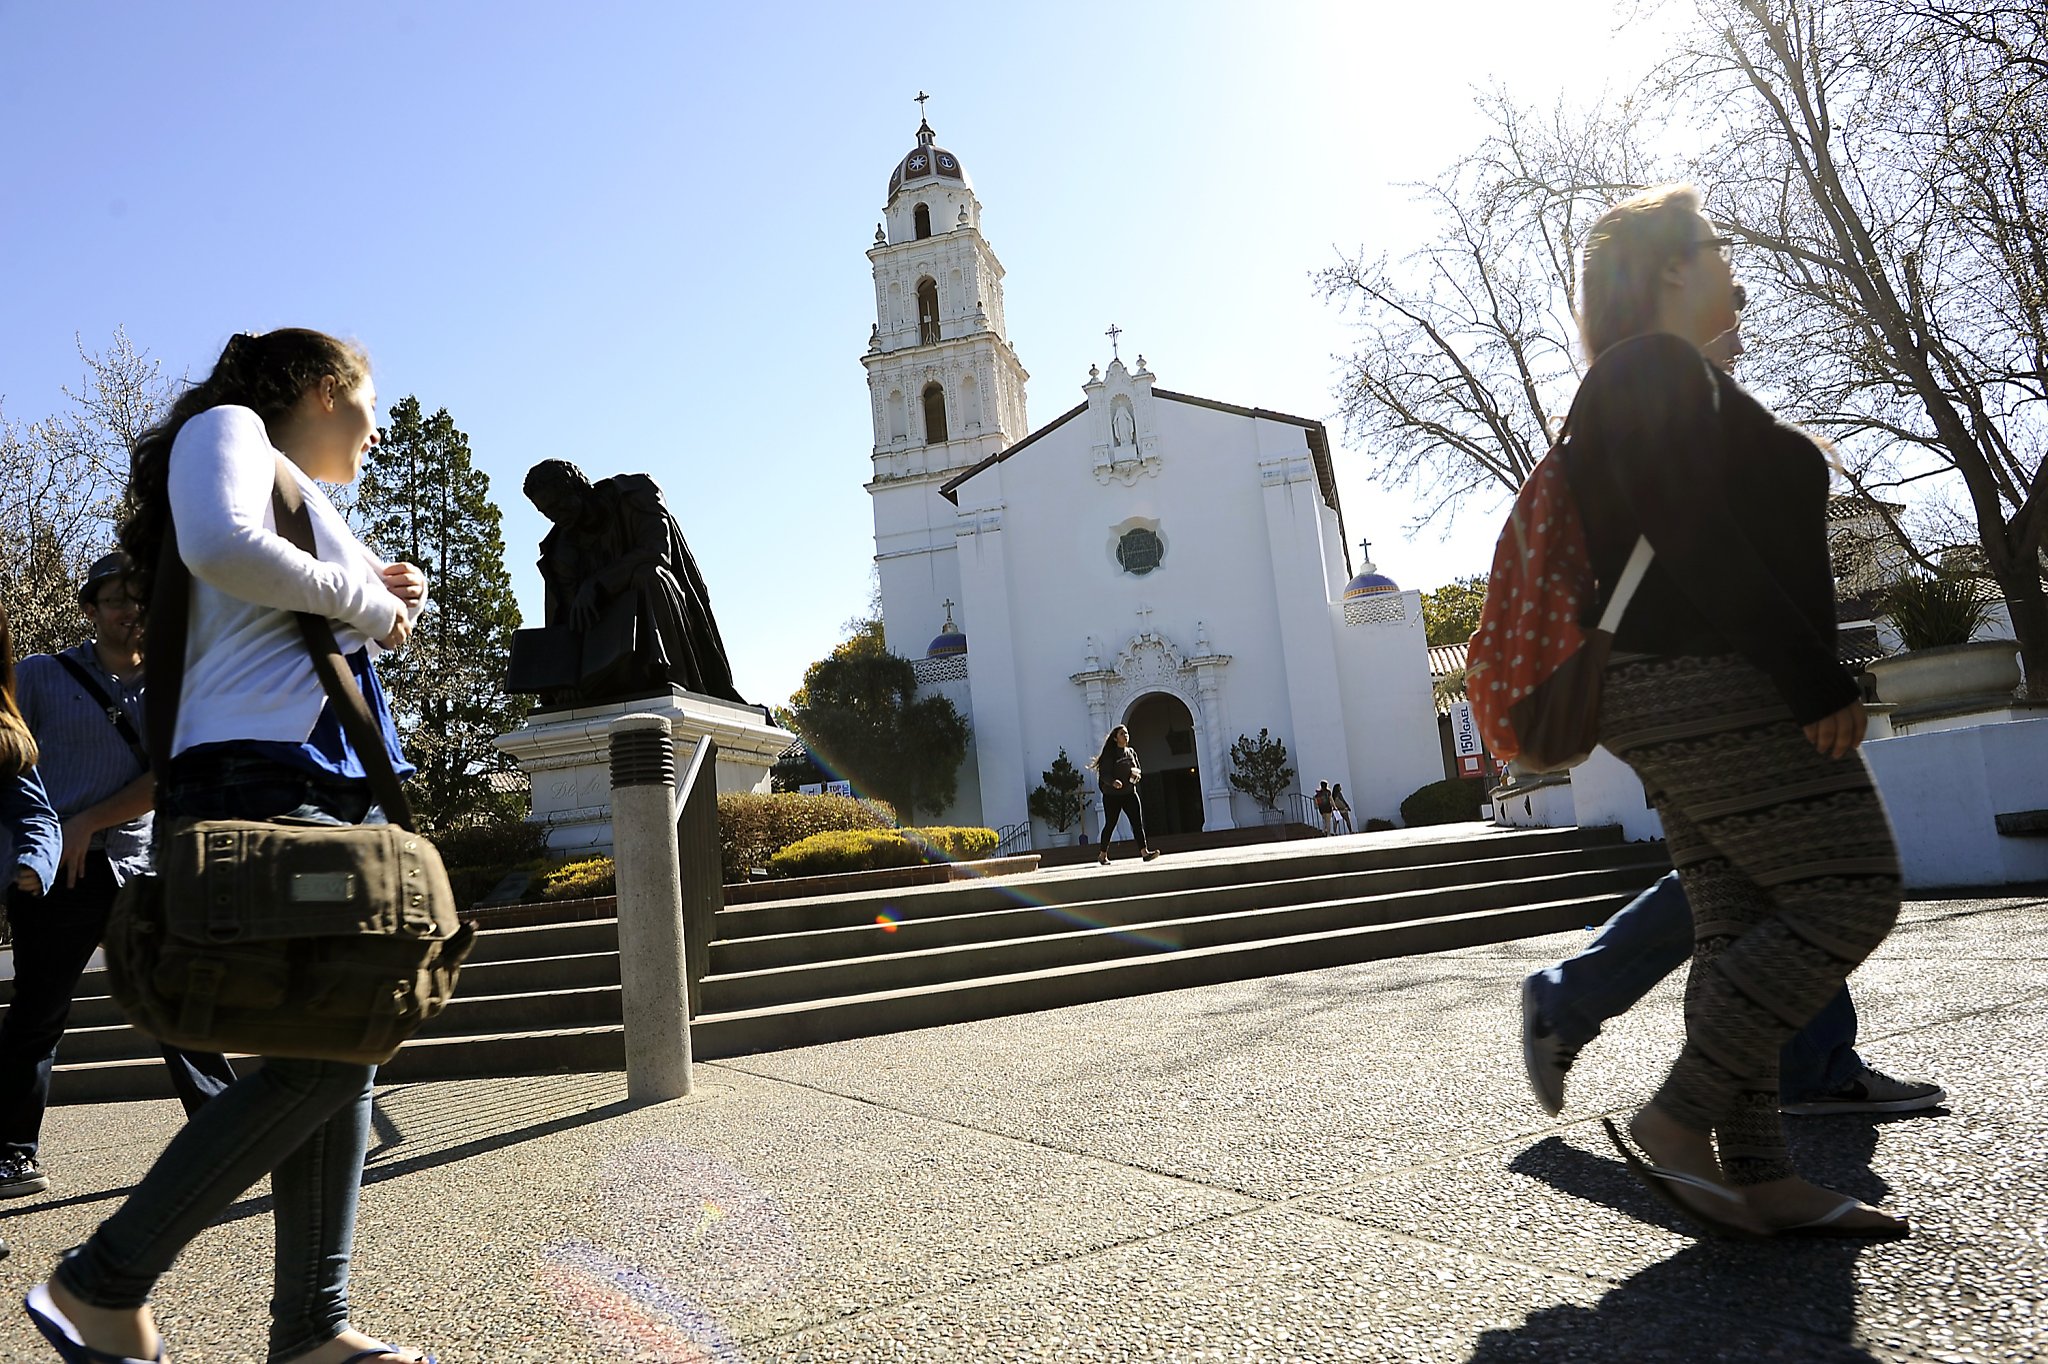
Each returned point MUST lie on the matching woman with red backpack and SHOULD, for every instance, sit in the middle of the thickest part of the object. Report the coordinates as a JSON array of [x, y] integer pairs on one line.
[[1724, 694]]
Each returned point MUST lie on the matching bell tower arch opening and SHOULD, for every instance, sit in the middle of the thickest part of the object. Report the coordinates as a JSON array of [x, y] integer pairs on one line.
[[934, 414], [1163, 732], [921, 222]]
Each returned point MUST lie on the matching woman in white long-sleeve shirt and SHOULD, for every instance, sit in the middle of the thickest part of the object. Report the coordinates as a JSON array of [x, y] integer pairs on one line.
[[255, 739]]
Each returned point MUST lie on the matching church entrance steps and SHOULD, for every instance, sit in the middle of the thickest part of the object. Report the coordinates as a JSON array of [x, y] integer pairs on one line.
[[542, 996]]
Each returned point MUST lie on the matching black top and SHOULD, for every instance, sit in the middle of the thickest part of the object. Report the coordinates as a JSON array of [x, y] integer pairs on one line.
[[1116, 765], [1734, 503]]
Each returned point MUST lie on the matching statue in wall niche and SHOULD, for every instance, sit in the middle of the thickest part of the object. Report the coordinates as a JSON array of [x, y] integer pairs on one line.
[[627, 614], [1123, 426]]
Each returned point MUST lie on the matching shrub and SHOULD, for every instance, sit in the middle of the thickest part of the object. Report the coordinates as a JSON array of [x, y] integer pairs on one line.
[[585, 879], [1451, 801], [1932, 612], [953, 843], [478, 856], [845, 850], [1057, 800], [1378, 826], [753, 828], [1260, 767]]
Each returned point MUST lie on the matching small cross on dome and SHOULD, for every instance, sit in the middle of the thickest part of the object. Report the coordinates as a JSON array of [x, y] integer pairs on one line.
[[1113, 333]]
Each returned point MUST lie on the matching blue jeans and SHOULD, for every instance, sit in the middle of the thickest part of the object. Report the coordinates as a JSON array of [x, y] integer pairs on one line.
[[1646, 941], [55, 934], [306, 1124]]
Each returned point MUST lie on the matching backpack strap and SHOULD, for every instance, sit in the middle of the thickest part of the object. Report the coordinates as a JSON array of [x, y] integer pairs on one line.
[[295, 524], [122, 725], [1625, 586]]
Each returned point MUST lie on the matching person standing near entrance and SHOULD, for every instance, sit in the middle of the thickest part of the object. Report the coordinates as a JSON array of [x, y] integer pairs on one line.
[[1342, 806], [84, 707], [1116, 770], [1325, 809]]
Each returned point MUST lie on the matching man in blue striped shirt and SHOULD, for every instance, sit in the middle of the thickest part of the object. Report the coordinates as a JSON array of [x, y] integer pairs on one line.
[[84, 707]]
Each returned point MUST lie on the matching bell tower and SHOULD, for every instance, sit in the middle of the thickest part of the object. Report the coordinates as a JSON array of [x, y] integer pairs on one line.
[[946, 389]]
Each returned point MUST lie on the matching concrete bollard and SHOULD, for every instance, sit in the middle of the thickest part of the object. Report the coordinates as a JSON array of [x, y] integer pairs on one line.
[[653, 977]]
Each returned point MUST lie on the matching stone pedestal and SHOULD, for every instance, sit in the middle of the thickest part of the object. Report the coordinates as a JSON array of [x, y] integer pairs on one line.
[[566, 755]]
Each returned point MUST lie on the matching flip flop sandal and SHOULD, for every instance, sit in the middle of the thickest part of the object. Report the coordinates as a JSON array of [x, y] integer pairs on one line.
[[379, 1351], [1829, 1224], [63, 1336], [1666, 1184]]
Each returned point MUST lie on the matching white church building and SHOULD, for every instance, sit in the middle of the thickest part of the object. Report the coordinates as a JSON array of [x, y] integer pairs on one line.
[[1173, 563]]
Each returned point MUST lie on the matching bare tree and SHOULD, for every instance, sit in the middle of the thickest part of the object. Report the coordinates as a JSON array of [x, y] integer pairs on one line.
[[1891, 159], [61, 482], [1468, 347]]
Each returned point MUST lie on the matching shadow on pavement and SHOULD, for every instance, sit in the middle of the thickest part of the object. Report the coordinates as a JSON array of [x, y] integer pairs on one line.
[[1714, 1301]]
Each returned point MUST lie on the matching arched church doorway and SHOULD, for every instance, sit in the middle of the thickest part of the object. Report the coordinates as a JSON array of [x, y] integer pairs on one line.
[[1163, 732]]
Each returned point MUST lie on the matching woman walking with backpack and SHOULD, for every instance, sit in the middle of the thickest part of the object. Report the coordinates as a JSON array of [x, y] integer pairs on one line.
[[1117, 772], [255, 739], [1725, 696]]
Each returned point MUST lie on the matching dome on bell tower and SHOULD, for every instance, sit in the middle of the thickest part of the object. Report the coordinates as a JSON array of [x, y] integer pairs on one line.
[[927, 164]]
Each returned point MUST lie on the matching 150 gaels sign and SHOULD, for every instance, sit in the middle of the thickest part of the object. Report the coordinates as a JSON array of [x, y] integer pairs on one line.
[[1464, 730]]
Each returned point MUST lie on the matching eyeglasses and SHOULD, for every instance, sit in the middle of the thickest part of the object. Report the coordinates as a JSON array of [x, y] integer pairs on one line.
[[1741, 298], [1722, 244], [112, 603]]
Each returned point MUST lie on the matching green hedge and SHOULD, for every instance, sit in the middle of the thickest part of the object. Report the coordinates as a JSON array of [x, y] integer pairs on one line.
[[849, 850], [753, 828], [587, 878], [1451, 801]]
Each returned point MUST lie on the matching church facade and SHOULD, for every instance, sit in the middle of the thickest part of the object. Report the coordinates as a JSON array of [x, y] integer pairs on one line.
[[1173, 563]]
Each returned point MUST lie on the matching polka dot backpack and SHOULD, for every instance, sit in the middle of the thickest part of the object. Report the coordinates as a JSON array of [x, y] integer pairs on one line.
[[1531, 670]]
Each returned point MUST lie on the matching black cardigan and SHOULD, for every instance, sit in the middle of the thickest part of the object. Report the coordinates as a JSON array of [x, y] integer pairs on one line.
[[1117, 766], [1734, 503]]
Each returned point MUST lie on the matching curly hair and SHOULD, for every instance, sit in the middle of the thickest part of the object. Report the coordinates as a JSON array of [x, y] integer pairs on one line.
[[267, 374]]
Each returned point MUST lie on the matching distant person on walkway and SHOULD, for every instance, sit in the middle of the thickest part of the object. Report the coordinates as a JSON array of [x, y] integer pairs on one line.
[[1325, 810], [31, 840], [1564, 1006], [1116, 771], [256, 739], [1342, 806], [84, 707], [1725, 697]]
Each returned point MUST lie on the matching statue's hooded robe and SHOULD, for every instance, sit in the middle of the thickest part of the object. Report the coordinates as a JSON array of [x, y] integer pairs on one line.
[[645, 574]]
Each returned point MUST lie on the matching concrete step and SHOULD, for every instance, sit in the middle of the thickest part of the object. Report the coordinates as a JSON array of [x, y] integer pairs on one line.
[[769, 1029], [738, 956], [1134, 931]]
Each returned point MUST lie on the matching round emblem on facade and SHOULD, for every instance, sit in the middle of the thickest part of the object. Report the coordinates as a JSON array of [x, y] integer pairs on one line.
[[917, 163], [1139, 551], [946, 163]]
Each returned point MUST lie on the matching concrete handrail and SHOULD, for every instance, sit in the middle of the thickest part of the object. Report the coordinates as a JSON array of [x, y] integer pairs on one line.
[[654, 989], [700, 873]]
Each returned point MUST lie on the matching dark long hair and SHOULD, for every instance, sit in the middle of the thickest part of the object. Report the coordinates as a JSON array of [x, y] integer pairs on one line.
[[17, 745], [1110, 748], [268, 374]]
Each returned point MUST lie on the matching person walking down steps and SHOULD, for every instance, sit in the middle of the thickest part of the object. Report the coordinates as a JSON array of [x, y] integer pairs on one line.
[[1116, 770]]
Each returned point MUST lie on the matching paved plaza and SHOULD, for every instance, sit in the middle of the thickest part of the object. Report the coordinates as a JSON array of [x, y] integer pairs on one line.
[[1337, 1165]]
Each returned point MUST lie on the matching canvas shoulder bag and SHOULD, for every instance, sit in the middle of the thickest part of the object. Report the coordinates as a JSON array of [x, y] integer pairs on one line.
[[326, 942]]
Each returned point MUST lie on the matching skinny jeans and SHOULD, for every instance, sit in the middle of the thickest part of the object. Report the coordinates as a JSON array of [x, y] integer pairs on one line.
[[1789, 864], [1122, 803], [306, 1124], [1645, 941]]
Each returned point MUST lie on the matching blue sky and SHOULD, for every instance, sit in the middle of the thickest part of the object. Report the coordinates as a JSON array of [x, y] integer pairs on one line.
[[633, 235]]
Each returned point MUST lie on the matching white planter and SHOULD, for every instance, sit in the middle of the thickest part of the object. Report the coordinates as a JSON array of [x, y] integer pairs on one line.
[[1062, 838], [1975, 669]]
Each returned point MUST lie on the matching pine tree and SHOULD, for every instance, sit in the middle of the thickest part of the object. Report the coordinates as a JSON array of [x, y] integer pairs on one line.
[[421, 500]]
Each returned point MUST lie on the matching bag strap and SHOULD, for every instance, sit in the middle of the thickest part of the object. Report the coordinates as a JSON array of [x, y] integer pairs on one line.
[[1625, 586], [119, 717], [295, 524]]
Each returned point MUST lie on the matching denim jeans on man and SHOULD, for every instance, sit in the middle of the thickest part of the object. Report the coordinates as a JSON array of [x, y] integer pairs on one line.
[[306, 1124], [1646, 941], [55, 934]]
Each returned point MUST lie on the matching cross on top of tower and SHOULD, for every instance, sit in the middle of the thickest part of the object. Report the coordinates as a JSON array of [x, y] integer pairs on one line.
[[925, 135], [1113, 333]]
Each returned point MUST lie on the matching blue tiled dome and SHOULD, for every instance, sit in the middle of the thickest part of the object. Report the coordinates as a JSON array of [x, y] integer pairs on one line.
[[1370, 582], [949, 641]]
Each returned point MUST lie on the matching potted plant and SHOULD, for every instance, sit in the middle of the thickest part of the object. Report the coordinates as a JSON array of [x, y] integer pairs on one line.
[[1935, 617], [1261, 771], [1058, 799]]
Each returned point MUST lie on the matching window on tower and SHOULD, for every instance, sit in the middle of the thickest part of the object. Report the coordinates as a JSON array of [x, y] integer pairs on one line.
[[927, 311], [934, 414], [921, 221]]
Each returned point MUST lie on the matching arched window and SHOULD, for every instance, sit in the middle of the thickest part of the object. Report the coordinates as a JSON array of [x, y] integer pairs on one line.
[[922, 219], [927, 311], [934, 414]]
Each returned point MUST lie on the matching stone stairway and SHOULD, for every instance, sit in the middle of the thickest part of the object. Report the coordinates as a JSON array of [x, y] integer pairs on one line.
[[544, 996]]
